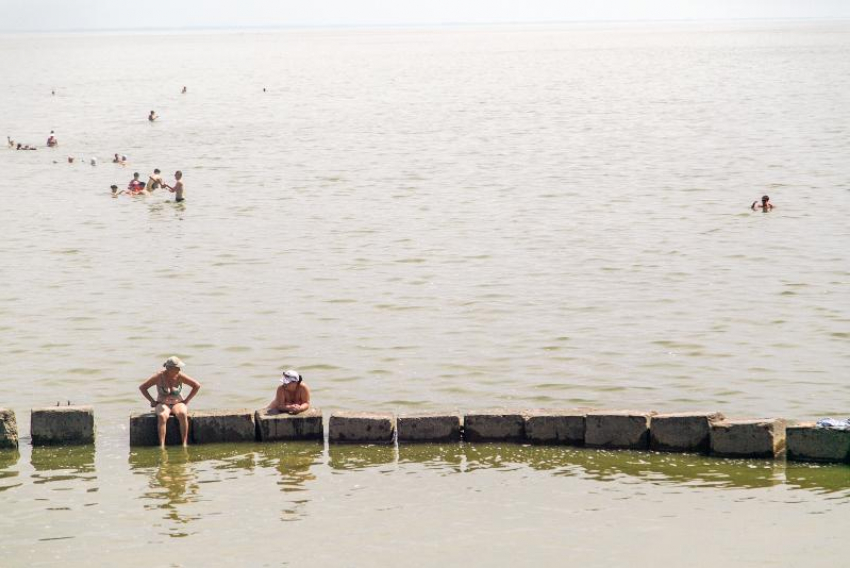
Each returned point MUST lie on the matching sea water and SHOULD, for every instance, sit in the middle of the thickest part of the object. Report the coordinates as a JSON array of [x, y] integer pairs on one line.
[[416, 219]]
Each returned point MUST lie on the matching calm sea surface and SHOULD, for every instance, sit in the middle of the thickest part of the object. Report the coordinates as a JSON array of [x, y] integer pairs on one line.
[[421, 219]]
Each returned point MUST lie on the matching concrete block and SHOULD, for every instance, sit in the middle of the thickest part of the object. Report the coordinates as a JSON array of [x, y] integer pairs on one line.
[[618, 429], [759, 438], [62, 425], [682, 432], [8, 429], [429, 427], [555, 427], [494, 425], [806, 442], [215, 426], [143, 430], [364, 427], [305, 426]]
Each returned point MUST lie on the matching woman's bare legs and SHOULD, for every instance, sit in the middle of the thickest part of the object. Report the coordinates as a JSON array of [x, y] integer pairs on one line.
[[182, 413], [162, 414]]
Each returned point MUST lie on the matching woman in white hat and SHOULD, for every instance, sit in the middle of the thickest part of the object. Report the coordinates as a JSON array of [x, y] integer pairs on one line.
[[169, 399], [293, 395]]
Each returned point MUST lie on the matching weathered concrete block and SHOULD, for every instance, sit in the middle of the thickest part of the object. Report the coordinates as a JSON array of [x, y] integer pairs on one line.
[[760, 438], [143, 430], [214, 426], [8, 429], [546, 426], [375, 428], [304, 426], [62, 425], [429, 427], [618, 429], [806, 442], [494, 425], [682, 432]]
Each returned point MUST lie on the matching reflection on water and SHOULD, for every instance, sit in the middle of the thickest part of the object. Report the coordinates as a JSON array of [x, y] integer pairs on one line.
[[295, 462], [172, 481], [353, 457], [449, 458], [55, 464], [823, 479], [8, 460]]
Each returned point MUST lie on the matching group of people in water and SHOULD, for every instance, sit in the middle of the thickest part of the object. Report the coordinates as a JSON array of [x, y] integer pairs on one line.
[[154, 182], [292, 396], [136, 186]]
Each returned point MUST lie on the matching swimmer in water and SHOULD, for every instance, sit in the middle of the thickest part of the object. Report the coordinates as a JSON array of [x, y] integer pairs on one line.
[[71, 160], [765, 206], [115, 192], [177, 188], [51, 140], [183, 91], [10, 142], [152, 116], [154, 181], [136, 186]]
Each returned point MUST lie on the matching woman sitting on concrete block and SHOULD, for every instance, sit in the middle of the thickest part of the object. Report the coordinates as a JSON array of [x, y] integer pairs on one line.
[[169, 399], [293, 396]]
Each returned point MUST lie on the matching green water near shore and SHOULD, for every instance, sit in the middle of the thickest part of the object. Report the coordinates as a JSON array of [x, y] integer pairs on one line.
[[365, 505]]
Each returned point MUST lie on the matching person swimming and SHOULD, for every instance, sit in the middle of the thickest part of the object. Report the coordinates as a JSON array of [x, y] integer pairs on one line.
[[152, 116], [51, 140], [136, 186], [765, 205], [154, 180], [115, 192]]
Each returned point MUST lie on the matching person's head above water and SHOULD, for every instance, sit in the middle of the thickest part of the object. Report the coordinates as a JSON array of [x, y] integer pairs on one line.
[[156, 170], [765, 198], [178, 174], [114, 188], [135, 175]]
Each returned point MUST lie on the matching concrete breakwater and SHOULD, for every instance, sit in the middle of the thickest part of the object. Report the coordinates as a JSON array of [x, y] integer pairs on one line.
[[692, 432]]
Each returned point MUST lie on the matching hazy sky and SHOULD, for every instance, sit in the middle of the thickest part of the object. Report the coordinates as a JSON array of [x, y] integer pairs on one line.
[[25, 15]]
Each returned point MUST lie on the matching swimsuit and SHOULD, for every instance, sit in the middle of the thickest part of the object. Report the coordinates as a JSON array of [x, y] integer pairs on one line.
[[165, 392]]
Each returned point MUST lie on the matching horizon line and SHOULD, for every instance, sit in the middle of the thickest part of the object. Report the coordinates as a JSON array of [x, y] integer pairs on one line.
[[273, 27]]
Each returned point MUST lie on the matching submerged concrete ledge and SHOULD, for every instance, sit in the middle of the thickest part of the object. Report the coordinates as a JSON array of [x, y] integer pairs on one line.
[[806, 442], [62, 425], [555, 427], [278, 427], [755, 438], [362, 427], [682, 432], [618, 429], [430, 427], [688, 432], [143, 431], [8, 429], [216, 426], [494, 425]]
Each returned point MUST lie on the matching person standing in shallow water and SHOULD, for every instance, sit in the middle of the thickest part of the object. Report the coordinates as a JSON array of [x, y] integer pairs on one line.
[[293, 395], [177, 188], [765, 206], [169, 400]]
